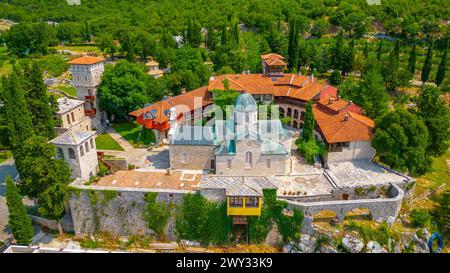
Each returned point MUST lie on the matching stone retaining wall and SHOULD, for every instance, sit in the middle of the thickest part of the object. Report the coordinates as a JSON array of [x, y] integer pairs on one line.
[[380, 208], [117, 211]]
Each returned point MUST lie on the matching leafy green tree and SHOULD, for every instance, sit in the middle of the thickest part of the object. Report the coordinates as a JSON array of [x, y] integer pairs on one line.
[[412, 60], [107, 44], [440, 74], [436, 114], [401, 140], [44, 177], [426, 69], [441, 213], [124, 88], [18, 220], [290, 226], [319, 28], [192, 35], [155, 214], [372, 94], [337, 52], [145, 45], [335, 77], [38, 101]]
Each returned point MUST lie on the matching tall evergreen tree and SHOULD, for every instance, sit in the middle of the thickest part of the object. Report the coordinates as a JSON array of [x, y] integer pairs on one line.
[[391, 71], [18, 118], [293, 46], [224, 37], [211, 39], [38, 101], [366, 51], [412, 60], [348, 59], [308, 124], [380, 50], [426, 69], [440, 74], [337, 53], [18, 220], [372, 95], [235, 34]]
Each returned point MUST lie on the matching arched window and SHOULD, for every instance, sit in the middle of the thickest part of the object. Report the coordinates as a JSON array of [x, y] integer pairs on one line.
[[268, 163], [247, 117], [302, 116], [295, 113], [60, 153], [228, 163], [281, 112], [73, 117], [81, 150], [92, 143], [248, 159], [86, 146], [295, 124], [68, 119], [289, 112], [72, 154]]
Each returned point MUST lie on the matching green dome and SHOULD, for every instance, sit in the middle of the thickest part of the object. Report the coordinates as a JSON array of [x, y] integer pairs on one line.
[[245, 103]]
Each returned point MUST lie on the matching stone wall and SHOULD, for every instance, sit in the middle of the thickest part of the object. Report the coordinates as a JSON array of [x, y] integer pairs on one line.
[[357, 150], [278, 163], [100, 209], [192, 157], [380, 208]]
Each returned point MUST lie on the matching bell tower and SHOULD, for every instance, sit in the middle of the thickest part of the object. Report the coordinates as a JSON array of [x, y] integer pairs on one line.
[[86, 76]]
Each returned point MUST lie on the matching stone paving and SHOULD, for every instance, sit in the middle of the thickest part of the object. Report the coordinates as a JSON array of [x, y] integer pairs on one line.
[[362, 173], [303, 185]]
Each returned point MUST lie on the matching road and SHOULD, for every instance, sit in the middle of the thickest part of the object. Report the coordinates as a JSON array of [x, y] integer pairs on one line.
[[6, 168]]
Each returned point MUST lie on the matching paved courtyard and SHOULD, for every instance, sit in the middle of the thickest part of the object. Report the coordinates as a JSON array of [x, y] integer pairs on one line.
[[362, 173], [303, 185]]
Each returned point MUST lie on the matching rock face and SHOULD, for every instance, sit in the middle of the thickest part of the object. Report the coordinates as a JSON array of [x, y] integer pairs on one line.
[[352, 244], [375, 247], [328, 249]]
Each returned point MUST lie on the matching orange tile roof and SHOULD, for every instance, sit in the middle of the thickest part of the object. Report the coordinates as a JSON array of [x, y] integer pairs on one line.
[[186, 100], [274, 61], [86, 60], [343, 126], [272, 56]]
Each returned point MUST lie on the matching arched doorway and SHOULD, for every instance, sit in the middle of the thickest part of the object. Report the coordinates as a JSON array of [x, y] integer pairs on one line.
[[295, 124]]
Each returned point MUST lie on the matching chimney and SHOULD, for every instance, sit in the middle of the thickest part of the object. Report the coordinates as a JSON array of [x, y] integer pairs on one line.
[[183, 90], [331, 100], [311, 77], [350, 102], [338, 97], [346, 117], [66, 102], [211, 78], [299, 73]]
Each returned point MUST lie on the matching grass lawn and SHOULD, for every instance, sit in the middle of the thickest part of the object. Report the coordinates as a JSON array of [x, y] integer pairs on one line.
[[68, 89], [4, 157], [105, 142], [134, 134], [80, 48]]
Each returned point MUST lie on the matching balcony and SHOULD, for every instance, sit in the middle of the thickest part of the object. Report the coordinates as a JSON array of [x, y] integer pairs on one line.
[[89, 98], [90, 112], [240, 206]]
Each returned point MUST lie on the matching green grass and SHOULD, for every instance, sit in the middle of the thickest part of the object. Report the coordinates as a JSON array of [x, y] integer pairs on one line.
[[105, 142], [80, 48], [68, 89], [4, 157], [132, 133]]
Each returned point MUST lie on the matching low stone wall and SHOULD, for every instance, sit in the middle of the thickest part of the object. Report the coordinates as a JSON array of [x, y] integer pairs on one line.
[[117, 211], [47, 223], [120, 164], [380, 208]]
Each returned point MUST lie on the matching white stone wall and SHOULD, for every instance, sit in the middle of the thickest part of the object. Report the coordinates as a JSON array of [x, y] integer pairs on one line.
[[87, 75], [78, 121], [357, 150], [278, 163]]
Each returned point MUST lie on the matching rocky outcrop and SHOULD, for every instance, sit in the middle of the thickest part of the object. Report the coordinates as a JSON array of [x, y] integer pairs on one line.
[[352, 244], [375, 247]]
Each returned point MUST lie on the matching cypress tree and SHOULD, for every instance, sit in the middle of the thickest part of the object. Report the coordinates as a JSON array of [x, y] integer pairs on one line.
[[338, 52], [366, 51], [426, 69], [224, 37], [412, 60], [235, 34], [293, 46], [19, 121], [380, 50], [308, 124], [38, 101], [211, 39], [440, 74], [18, 220]]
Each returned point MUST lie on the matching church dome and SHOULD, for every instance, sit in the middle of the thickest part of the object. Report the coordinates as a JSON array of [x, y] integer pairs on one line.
[[245, 103]]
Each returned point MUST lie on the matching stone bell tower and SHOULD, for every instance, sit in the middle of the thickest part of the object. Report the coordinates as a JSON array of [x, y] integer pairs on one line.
[[86, 75]]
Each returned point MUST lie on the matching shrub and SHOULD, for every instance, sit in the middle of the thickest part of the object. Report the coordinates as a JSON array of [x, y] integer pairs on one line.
[[156, 214], [201, 220], [335, 77], [420, 217], [310, 149]]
